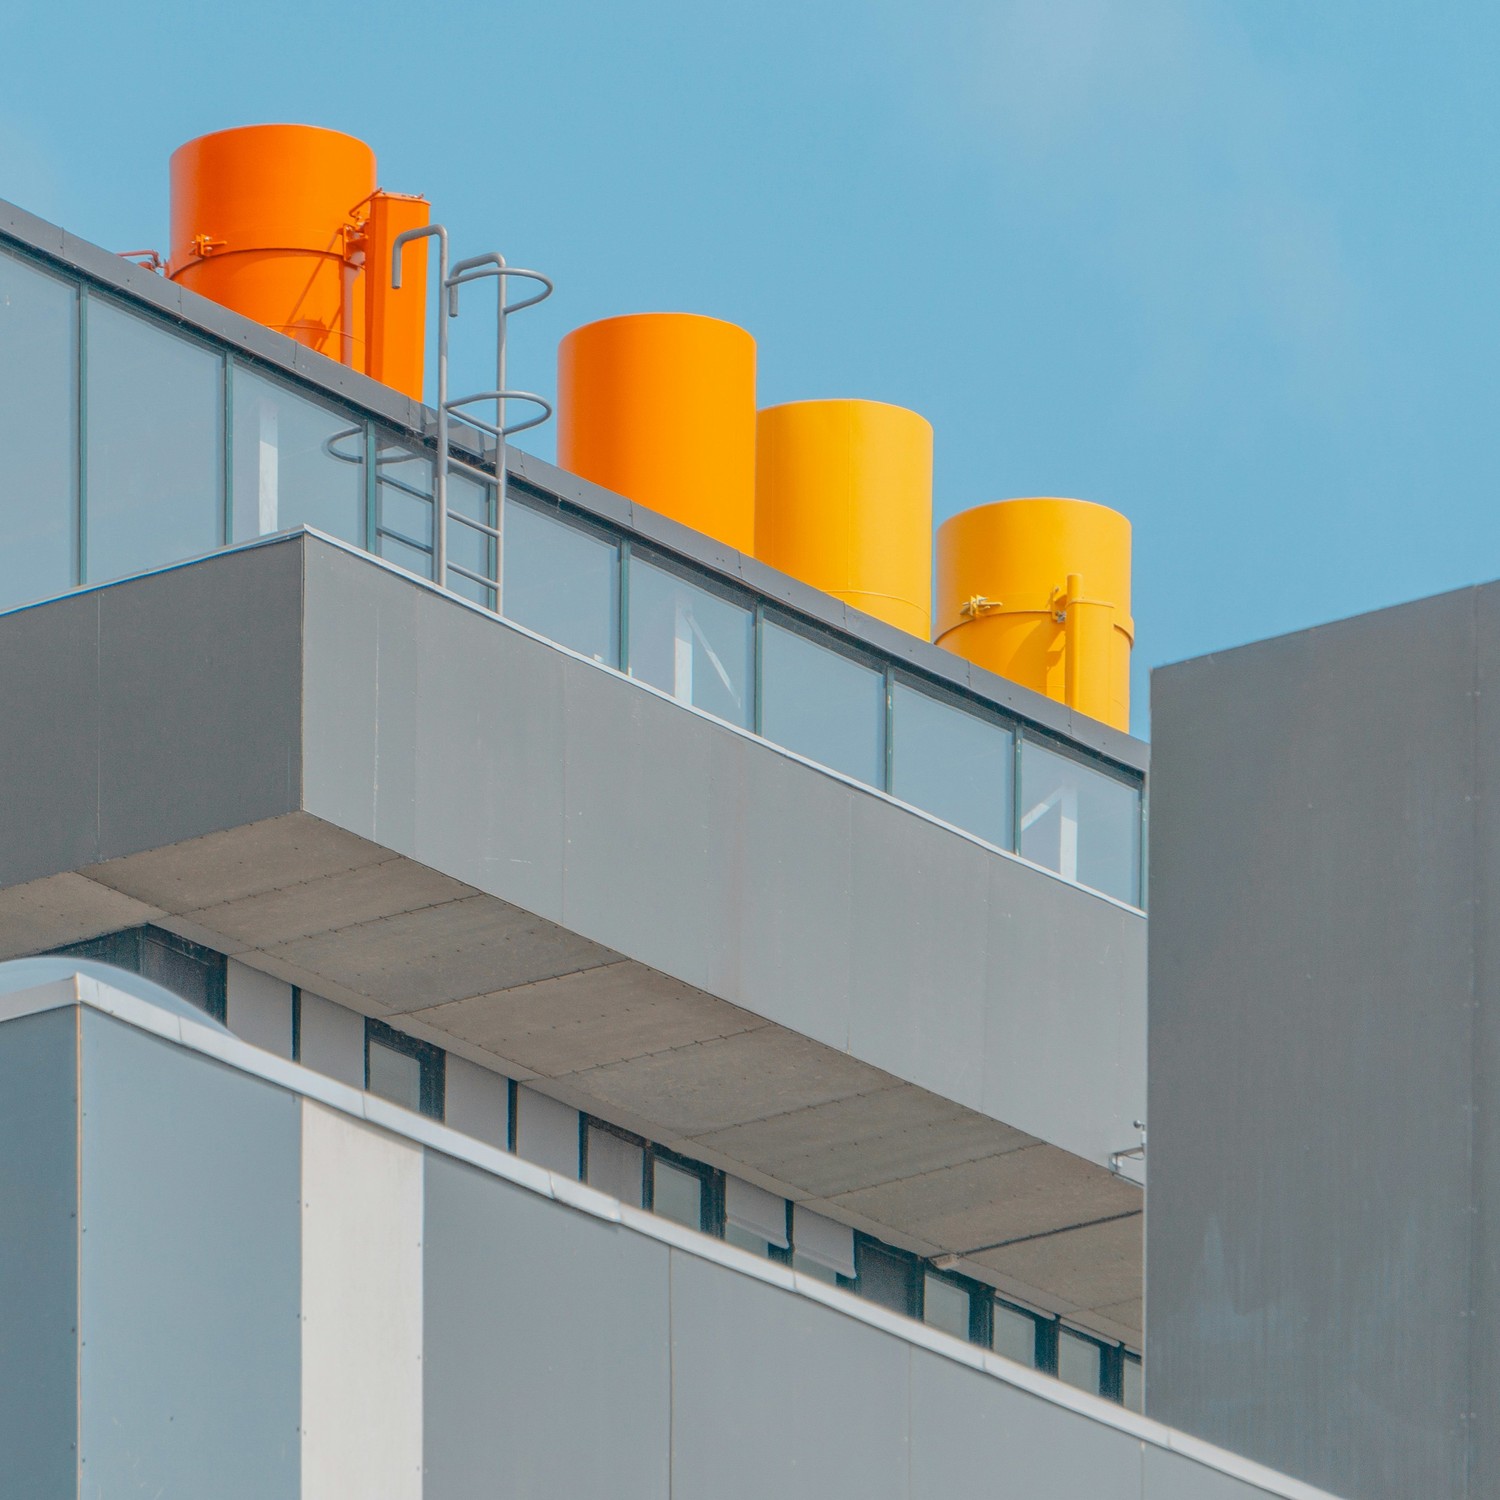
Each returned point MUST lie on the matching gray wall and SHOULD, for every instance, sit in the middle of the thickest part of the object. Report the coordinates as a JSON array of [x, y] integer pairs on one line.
[[718, 860], [190, 1277], [1322, 1233], [39, 1256]]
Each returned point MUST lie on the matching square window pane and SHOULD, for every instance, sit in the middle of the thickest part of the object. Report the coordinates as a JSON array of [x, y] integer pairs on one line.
[[296, 463], [1081, 822], [676, 1194], [469, 547], [155, 475], [884, 1277], [1078, 1361], [822, 704], [38, 432], [691, 642], [951, 763], [396, 1076], [1134, 1386], [403, 506], [562, 582], [807, 1266], [615, 1166], [1014, 1334], [745, 1240], [946, 1306]]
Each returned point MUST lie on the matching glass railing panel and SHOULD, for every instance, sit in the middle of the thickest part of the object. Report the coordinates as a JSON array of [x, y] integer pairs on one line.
[[154, 468], [953, 763], [822, 703], [691, 642], [403, 506], [38, 432], [296, 462], [468, 547], [1080, 821], [562, 581]]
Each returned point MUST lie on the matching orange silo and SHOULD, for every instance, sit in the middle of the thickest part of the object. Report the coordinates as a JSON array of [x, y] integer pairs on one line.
[[1038, 590], [275, 221], [660, 407], [843, 501]]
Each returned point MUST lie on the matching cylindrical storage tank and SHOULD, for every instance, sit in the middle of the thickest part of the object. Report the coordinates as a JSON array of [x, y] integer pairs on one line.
[[843, 501], [1038, 590], [261, 221], [660, 407]]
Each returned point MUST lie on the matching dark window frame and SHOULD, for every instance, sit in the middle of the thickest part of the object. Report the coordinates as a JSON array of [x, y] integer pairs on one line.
[[125, 949], [432, 1062]]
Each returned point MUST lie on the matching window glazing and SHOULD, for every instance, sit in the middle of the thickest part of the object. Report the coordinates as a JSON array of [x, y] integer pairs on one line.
[[1080, 821], [405, 1070], [1078, 1360], [691, 642], [297, 462], [677, 1193], [952, 763], [154, 468], [38, 433], [562, 581], [1133, 1393], [1014, 1334], [945, 1305], [822, 703]]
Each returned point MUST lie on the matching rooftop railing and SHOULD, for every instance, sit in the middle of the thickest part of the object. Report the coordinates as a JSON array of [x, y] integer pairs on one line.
[[129, 440]]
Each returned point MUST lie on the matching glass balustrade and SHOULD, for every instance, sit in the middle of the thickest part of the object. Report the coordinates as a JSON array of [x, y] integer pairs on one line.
[[127, 443]]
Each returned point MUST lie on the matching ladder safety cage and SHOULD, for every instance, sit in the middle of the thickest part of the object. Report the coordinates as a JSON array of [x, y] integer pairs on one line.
[[451, 409]]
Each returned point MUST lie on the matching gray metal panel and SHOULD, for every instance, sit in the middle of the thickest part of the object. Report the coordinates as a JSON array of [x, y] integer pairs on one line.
[[546, 1353], [1313, 856], [1170, 1476], [39, 1255], [933, 887], [333, 1040], [1484, 1456], [49, 660], [973, 1435], [476, 1101], [773, 1395], [200, 719], [191, 1282], [546, 1132]]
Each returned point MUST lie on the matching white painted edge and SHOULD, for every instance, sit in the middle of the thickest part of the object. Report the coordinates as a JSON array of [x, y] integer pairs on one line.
[[247, 1058]]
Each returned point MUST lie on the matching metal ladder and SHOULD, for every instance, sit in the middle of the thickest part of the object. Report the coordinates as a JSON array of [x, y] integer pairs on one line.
[[451, 409]]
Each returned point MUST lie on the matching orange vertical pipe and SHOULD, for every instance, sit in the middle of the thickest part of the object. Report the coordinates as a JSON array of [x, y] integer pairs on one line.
[[660, 407], [395, 317]]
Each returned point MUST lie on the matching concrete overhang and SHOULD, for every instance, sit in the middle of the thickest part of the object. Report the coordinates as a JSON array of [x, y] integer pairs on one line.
[[311, 761]]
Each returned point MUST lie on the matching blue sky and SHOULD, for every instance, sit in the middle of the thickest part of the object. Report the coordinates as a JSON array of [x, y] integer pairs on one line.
[[1228, 267]]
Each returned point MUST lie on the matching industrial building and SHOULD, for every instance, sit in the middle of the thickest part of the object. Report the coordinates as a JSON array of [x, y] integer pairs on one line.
[[565, 979]]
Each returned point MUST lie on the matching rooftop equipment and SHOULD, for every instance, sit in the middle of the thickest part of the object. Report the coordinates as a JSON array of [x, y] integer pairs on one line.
[[660, 407], [285, 224], [843, 501], [1038, 590]]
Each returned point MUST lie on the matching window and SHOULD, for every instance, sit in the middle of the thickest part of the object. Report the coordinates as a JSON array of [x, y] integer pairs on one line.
[[197, 974], [1133, 1386], [885, 1276], [614, 1165], [822, 1247], [680, 1190], [562, 581], [1079, 1360], [946, 1305], [952, 763], [691, 642], [822, 703], [154, 470], [1014, 1334], [296, 462], [1080, 821], [38, 432], [754, 1219], [403, 1069]]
